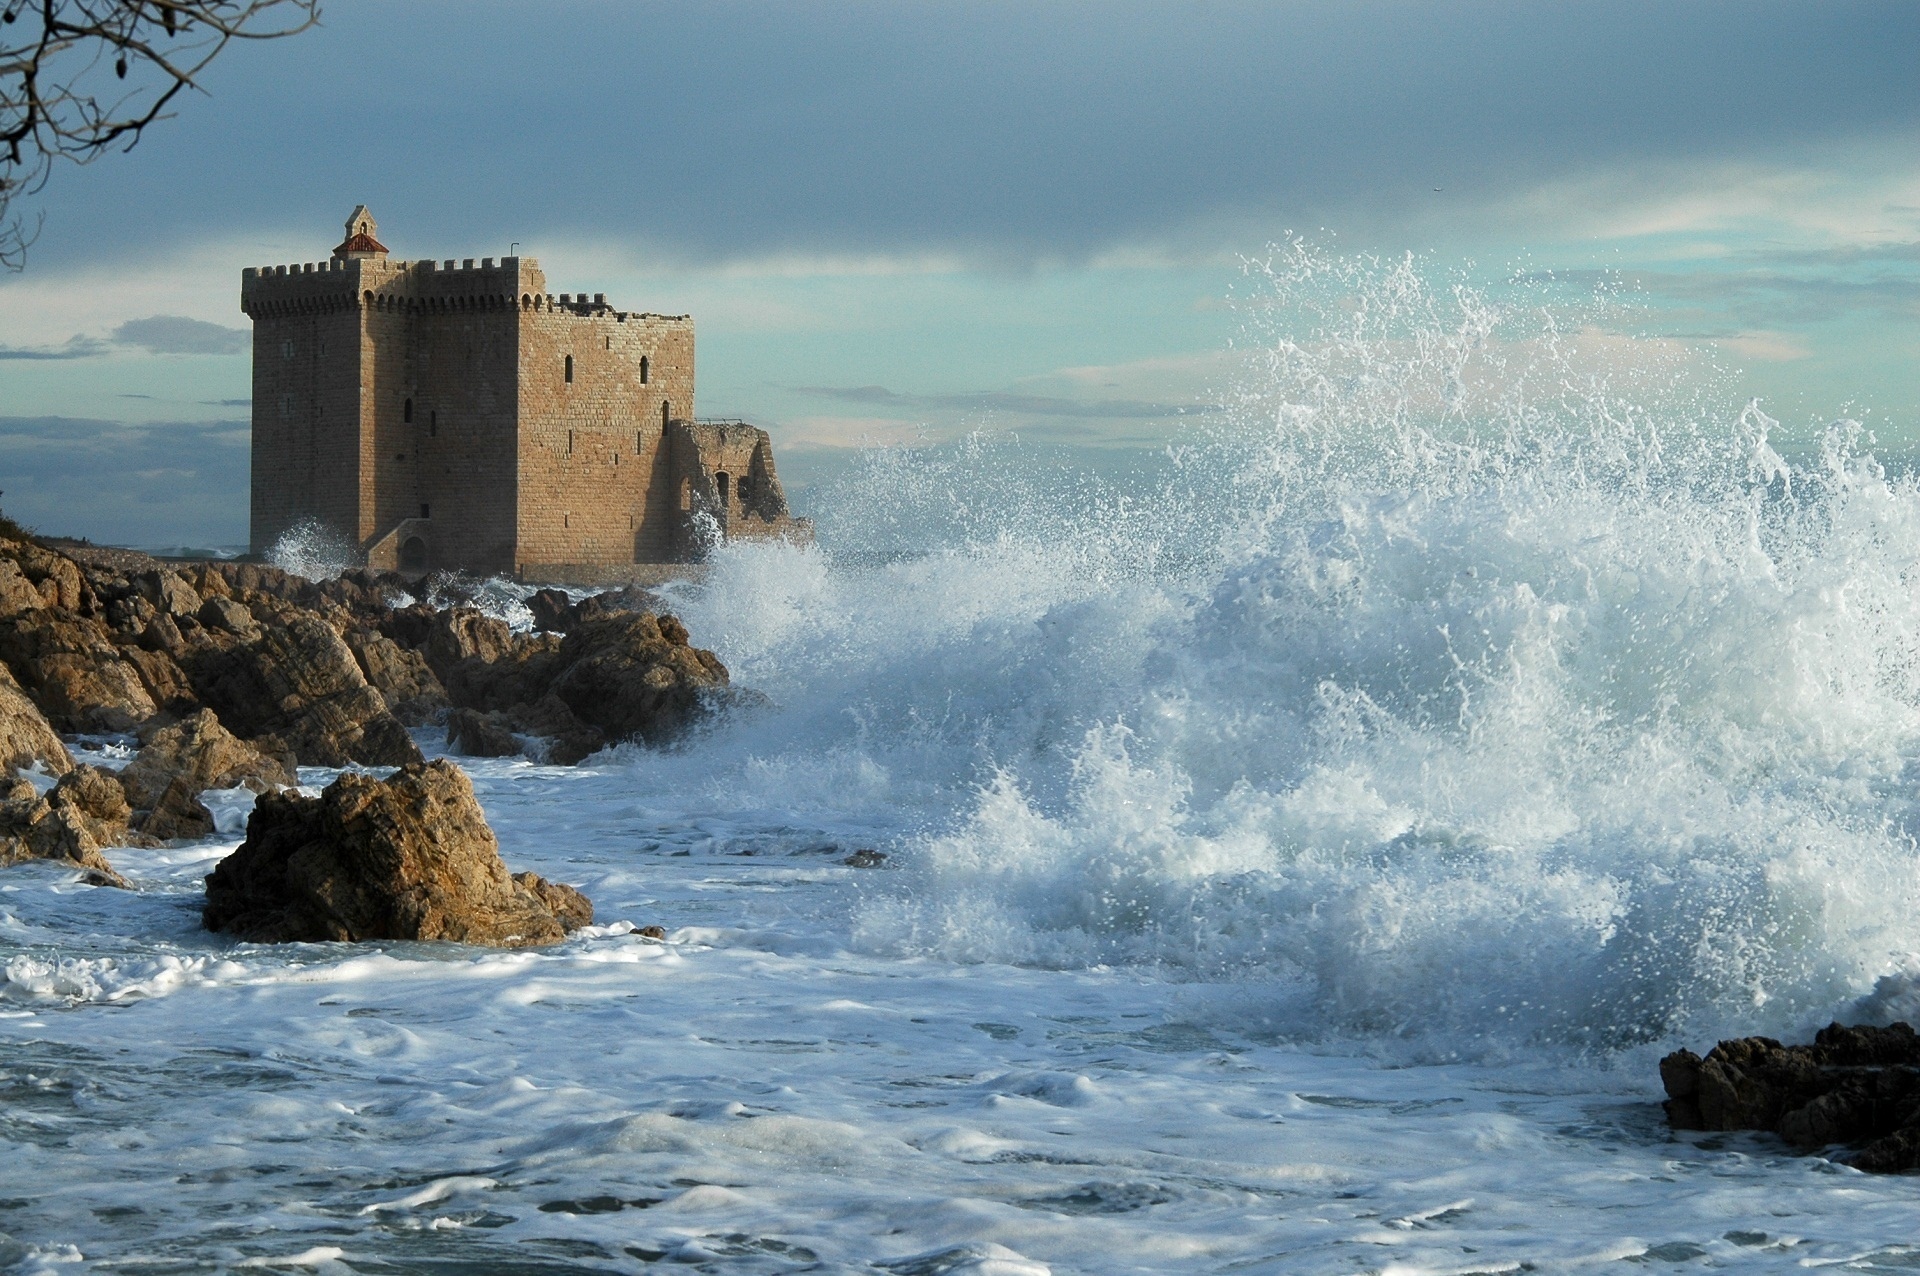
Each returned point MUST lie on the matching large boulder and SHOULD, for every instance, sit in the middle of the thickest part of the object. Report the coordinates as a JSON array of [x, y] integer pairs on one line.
[[32, 828], [25, 736], [406, 858], [635, 676], [299, 681], [1858, 1086], [178, 763]]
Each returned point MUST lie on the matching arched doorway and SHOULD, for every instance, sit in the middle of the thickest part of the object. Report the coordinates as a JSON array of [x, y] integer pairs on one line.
[[413, 555]]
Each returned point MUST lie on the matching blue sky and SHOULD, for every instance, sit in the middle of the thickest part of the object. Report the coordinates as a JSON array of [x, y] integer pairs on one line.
[[901, 221]]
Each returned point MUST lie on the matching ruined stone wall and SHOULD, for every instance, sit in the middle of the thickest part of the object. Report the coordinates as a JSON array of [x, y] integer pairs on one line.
[[726, 473], [596, 486]]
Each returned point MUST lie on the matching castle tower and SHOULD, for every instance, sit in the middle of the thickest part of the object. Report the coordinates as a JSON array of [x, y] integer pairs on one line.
[[443, 415]]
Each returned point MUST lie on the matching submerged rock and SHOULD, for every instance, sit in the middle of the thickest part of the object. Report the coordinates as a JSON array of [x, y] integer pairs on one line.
[[31, 827], [1858, 1086], [546, 731], [406, 858], [96, 798], [179, 763]]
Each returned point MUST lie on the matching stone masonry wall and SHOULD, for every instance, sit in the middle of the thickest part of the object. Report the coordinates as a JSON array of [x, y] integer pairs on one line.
[[595, 482], [306, 428]]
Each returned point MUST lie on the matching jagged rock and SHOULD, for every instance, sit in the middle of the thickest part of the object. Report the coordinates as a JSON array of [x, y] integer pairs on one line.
[[630, 598], [17, 593], [1857, 1086], [567, 739], [71, 668], [300, 682], [406, 858], [481, 735], [562, 739], [166, 682], [168, 592], [484, 665], [25, 736], [55, 576], [401, 675], [634, 676], [177, 764], [33, 828], [96, 798], [130, 614], [163, 634], [552, 610], [221, 612]]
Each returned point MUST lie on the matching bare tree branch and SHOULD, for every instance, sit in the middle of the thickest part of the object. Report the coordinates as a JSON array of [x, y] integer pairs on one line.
[[81, 77]]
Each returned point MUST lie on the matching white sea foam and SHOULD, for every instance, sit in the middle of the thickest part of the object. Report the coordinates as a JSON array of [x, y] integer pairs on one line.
[[1492, 696]]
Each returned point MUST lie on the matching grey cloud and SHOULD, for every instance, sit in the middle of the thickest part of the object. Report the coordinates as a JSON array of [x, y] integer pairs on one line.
[[75, 348], [176, 334], [1002, 401], [1014, 132], [127, 484]]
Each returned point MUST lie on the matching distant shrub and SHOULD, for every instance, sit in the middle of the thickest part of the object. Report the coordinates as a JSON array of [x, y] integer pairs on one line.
[[10, 530]]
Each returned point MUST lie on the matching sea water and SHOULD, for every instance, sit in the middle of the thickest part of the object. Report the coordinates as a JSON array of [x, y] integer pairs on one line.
[[1298, 854]]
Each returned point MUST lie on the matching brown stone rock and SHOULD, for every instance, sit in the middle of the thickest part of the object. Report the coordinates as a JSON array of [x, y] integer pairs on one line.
[[401, 675], [555, 733], [168, 592], [166, 682], [552, 610], [484, 665], [221, 612], [177, 764], [74, 672], [33, 828], [1858, 1086], [481, 735], [54, 575], [634, 676], [299, 681], [25, 736], [95, 796], [17, 593], [406, 858]]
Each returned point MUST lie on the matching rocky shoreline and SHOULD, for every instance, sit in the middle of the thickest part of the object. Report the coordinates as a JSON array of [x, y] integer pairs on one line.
[[233, 674], [1858, 1087]]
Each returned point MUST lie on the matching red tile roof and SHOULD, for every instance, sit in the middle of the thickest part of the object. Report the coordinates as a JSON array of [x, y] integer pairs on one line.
[[362, 243]]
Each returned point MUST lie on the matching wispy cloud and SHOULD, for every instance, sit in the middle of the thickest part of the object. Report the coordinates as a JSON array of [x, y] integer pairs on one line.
[[76, 347], [161, 334], [177, 334], [127, 484], [1006, 401]]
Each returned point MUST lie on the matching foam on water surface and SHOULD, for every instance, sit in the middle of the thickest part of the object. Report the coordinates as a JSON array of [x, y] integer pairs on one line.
[[1295, 861]]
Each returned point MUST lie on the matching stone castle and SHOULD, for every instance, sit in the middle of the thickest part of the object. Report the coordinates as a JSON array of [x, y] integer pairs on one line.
[[444, 415]]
